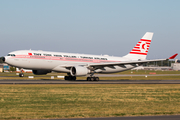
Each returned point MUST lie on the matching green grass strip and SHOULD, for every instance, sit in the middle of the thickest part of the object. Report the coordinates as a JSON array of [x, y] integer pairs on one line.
[[87, 100]]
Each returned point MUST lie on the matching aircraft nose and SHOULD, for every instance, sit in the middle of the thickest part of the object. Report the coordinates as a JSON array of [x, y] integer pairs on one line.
[[3, 59]]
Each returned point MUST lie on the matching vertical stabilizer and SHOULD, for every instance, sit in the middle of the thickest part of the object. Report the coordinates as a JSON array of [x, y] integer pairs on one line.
[[139, 52]]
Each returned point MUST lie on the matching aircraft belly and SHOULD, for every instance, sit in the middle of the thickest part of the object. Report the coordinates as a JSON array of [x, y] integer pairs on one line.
[[44, 64], [65, 66]]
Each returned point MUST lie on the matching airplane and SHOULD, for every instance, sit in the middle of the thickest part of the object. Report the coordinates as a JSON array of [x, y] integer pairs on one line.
[[43, 62]]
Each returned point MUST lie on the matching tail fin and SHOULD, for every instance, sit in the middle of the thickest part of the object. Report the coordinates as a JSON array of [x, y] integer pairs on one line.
[[139, 52]]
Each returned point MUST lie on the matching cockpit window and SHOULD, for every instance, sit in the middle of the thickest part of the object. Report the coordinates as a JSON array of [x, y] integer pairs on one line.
[[11, 55]]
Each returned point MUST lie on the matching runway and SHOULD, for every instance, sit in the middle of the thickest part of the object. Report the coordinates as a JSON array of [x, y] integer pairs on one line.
[[111, 75], [50, 81]]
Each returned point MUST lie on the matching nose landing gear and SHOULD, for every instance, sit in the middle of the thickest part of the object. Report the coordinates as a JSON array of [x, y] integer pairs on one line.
[[21, 74]]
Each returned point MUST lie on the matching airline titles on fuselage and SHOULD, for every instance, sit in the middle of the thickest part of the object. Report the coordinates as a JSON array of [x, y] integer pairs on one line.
[[40, 55]]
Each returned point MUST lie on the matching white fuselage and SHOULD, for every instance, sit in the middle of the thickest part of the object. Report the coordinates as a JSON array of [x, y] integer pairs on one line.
[[59, 62], [42, 62]]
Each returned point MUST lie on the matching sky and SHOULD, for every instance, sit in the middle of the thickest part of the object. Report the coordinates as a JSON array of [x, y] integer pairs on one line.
[[111, 27]]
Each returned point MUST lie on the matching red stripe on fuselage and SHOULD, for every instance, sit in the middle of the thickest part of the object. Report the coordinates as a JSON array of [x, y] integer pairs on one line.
[[63, 59]]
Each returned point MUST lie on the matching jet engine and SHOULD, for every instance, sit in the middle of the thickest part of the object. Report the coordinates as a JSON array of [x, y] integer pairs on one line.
[[79, 71], [40, 72]]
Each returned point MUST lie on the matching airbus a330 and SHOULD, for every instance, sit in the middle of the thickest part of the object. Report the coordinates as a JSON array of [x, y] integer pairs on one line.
[[43, 62]]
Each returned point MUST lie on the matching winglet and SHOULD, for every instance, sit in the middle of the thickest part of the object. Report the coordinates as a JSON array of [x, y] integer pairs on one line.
[[172, 57]]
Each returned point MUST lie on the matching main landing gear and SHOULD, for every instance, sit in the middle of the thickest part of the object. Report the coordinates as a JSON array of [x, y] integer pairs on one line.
[[92, 78], [88, 78], [70, 78]]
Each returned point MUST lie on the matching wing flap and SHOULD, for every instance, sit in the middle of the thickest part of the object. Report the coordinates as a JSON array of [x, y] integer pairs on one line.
[[112, 64], [122, 63]]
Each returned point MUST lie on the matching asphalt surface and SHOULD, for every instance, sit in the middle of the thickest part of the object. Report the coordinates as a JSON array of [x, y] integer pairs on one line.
[[113, 75], [51, 81], [125, 75]]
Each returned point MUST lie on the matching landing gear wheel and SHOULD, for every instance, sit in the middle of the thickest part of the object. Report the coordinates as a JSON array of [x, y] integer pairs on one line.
[[97, 78], [88, 79], [66, 78], [70, 78], [73, 78], [21, 75], [92, 78]]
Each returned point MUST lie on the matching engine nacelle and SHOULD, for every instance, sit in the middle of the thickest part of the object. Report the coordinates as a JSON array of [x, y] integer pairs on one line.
[[40, 72], [79, 71]]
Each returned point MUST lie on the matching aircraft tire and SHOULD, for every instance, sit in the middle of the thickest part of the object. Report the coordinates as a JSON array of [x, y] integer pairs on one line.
[[66, 77], [70, 78], [91, 78], [21, 75], [88, 79], [97, 78], [73, 78]]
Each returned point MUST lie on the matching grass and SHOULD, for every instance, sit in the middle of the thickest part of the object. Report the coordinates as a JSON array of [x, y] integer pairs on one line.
[[87, 100]]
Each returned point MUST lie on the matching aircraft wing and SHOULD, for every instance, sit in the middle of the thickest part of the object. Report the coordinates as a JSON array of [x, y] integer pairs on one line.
[[123, 63], [109, 64], [128, 62]]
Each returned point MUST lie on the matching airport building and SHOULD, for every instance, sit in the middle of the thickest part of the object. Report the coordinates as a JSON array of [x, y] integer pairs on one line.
[[4, 67], [153, 68], [176, 65], [1, 68]]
